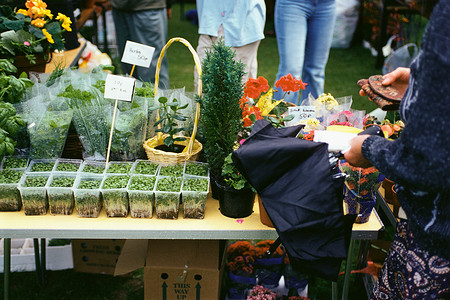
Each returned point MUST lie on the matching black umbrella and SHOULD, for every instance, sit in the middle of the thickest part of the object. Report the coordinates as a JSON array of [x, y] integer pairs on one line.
[[302, 194]]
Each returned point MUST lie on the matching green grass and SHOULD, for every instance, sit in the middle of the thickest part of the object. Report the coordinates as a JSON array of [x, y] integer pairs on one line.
[[344, 68]]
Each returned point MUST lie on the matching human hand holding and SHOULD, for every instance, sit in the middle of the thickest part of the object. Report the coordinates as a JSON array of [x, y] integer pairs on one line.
[[354, 155], [399, 79]]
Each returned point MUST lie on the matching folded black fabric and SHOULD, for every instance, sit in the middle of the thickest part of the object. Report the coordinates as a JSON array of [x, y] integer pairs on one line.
[[295, 181]]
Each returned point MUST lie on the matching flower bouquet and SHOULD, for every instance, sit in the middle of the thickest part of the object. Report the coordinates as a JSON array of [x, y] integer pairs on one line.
[[359, 190], [32, 31], [240, 260], [261, 293]]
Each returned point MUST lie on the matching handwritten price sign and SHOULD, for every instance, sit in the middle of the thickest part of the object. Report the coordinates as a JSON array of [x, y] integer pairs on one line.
[[137, 54], [119, 88]]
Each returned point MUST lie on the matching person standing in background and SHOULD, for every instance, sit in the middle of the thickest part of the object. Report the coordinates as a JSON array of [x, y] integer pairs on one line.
[[144, 22], [239, 23], [304, 31]]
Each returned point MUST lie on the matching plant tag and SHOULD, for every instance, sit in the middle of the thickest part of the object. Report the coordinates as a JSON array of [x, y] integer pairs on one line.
[[119, 87], [300, 113], [137, 54]]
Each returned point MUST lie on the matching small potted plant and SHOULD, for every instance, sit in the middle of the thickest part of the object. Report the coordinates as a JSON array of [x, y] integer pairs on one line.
[[175, 170], [9, 194], [67, 165], [87, 195], [34, 194], [145, 167], [60, 195], [115, 195], [167, 197], [15, 162], [41, 165], [141, 196], [92, 167], [119, 167], [236, 195], [194, 193], [193, 168]]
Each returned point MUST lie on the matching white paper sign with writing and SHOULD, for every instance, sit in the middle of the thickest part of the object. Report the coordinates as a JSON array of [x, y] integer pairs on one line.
[[137, 54], [300, 113], [119, 87]]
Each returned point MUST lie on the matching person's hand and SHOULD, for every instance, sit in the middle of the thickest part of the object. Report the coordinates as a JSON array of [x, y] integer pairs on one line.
[[399, 79], [169, 13], [354, 155]]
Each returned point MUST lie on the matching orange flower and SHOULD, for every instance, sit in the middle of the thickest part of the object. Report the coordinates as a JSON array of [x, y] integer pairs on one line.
[[254, 87], [39, 23], [288, 83]]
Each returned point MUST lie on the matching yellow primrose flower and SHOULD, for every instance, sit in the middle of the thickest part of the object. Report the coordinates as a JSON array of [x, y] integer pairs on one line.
[[23, 12], [265, 103], [66, 21], [48, 13], [39, 23], [48, 36], [313, 122]]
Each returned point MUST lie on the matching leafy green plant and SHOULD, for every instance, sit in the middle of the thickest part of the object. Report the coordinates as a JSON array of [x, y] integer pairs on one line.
[[11, 162], [232, 177], [115, 196], [62, 181], [9, 194], [60, 196], [93, 167], [169, 184], [10, 176], [12, 88], [196, 169], [35, 181], [119, 167], [195, 184], [221, 114], [67, 166], [142, 183], [168, 115], [145, 167], [42, 166], [116, 182], [87, 197], [172, 170]]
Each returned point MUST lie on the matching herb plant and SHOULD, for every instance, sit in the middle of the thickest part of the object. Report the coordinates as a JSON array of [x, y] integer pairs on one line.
[[145, 167], [196, 169], [42, 166], [119, 167], [60, 197], [10, 176], [62, 182], [35, 181], [9, 194], [90, 184], [87, 197], [142, 183], [67, 166], [169, 184], [172, 170], [34, 196], [116, 201], [140, 194], [15, 163], [116, 182]]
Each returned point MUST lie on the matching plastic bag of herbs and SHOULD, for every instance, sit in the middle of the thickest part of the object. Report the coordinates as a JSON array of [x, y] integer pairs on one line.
[[130, 128], [48, 134], [91, 118]]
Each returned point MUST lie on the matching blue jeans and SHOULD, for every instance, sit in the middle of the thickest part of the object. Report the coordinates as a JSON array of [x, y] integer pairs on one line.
[[148, 27], [304, 30]]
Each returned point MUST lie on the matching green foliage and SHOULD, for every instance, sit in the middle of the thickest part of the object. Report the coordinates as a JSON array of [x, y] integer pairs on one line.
[[119, 167], [168, 117], [142, 183], [35, 181], [146, 90], [42, 167], [195, 184], [169, 184], [89, 184], [220, 118], [116, 182], [146, 167], [15, 163], [67, 166], [197, 169], [10, 176], [12, 89], [232, 176], [62, 182], [172, 170]]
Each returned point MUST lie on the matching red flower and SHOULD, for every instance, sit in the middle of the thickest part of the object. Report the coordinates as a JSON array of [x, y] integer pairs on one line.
[[288, 83], [254, 87]]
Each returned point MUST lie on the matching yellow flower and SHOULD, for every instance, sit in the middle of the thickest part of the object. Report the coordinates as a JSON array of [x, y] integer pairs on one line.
[[66, 21], [48, 13], [23, 12], [327, 100], [48, 36], [39, 23], [265, 103]]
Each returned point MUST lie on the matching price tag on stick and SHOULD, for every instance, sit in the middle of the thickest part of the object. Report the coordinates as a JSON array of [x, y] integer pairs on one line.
[[119, 87], [137, 54]]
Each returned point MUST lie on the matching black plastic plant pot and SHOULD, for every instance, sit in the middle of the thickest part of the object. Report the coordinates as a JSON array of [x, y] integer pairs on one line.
[[235, 203]]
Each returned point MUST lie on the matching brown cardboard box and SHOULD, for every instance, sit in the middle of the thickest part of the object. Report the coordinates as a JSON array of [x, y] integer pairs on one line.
[[96, 256], [175, 269]]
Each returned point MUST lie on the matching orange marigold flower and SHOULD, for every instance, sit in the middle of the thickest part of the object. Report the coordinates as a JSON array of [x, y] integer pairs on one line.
[[288, 83], [254, 87], [39, 23]]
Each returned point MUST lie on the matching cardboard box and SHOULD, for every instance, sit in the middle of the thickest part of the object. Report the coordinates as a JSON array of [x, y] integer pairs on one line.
[[175, 269], [96, 256]]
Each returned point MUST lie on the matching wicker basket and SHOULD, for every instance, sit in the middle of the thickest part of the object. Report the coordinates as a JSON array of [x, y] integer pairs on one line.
[[193, 147]]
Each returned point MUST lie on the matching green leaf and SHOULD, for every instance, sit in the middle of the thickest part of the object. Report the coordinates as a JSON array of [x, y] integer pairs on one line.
[[179, 138], [162, 100], [179, 117], [168, 141]]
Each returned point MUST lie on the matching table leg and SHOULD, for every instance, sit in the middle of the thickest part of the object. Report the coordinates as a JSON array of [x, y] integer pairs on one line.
[[348, 270], [37, 260], [6, 267], [43, 260], [334, 290]]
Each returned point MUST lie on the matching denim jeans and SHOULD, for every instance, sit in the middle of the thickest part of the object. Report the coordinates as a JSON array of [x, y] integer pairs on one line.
[[304, 30], [148, 27]]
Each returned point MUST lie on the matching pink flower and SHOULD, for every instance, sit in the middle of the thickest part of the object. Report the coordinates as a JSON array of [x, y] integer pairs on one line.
[[241, 141], [26, 43]]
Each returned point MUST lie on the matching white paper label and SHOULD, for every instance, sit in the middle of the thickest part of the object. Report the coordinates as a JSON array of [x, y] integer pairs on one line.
[[119, 87], [138, 54], [300, 114]]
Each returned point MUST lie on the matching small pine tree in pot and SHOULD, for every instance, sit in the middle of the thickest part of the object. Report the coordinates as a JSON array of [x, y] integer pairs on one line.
[[221, 114]]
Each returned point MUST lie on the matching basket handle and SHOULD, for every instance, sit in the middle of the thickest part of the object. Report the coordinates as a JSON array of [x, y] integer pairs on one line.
[[199, 89]]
